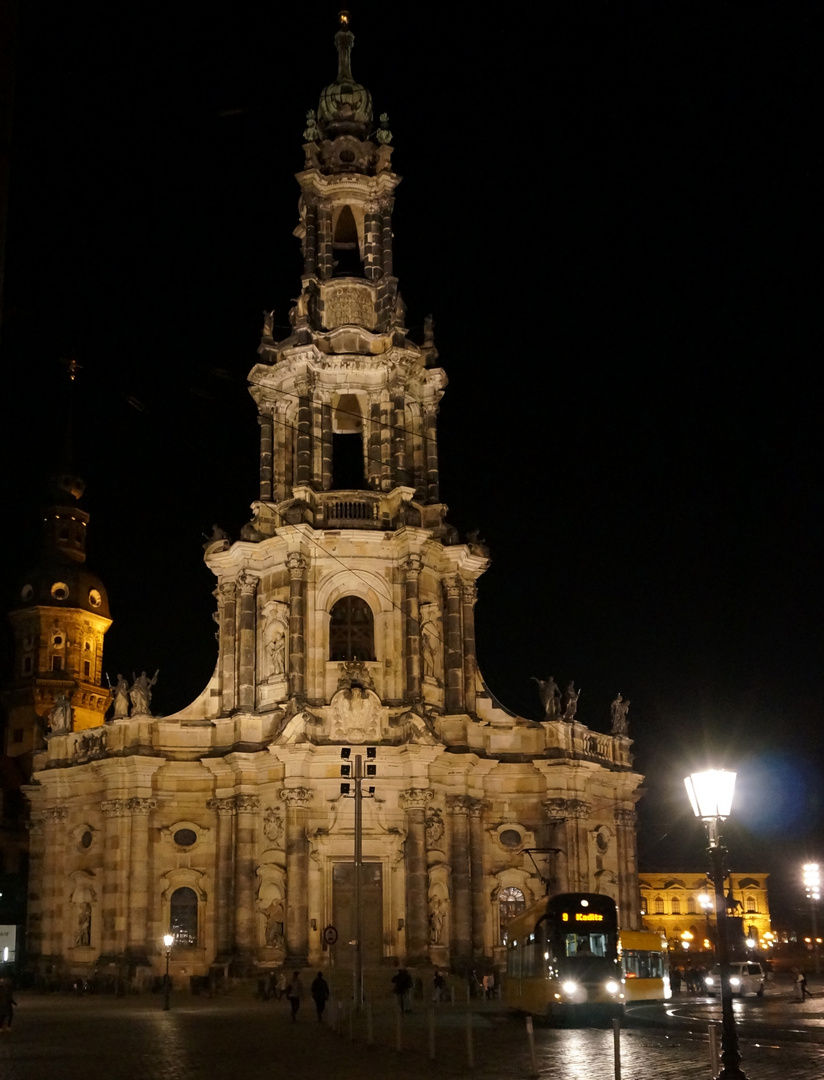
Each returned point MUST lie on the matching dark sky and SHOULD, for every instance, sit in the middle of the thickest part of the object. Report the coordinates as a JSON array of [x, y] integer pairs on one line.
[[613, 213]]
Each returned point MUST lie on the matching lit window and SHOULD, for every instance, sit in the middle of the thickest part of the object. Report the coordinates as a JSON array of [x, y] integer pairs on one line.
[[183, 916], [351, 630]]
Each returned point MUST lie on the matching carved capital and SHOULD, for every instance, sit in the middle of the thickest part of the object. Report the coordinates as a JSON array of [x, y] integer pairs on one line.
[[224, 807], [415, 798], [142, 806], [115, 807], [247, 583], [625, 817], [296, 796], [469, 592], [296, 564], [556, 809], [226, 591], [452, 587], [412, 566], [247, 804], [55, 813], [430, 409], [478, 806], [459, 804]]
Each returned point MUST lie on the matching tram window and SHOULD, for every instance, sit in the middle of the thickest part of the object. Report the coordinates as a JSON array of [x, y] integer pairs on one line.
[[642, 965], [585, 944]]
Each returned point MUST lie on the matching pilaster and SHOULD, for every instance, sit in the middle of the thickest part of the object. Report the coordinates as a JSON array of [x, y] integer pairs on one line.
[[297, 876], [297, 625], [459, 858], [414, 801]]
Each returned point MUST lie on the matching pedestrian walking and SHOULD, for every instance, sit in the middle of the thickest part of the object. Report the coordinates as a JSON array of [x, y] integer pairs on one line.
[[439, 989], [320, 994], [489, 986], [801, 991], [280, 986], [7, 1004], [294, 992], [401, 985]]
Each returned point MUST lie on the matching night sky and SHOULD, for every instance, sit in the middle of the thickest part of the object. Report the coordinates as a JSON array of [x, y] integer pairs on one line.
[[612, 212]]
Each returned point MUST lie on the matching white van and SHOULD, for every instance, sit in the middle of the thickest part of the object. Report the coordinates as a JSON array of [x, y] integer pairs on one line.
[[746, 977]]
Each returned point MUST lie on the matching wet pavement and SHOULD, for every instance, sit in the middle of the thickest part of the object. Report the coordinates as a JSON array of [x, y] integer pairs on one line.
[[240, 1036]]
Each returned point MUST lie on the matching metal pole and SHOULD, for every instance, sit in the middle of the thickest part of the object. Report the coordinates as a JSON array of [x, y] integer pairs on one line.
[[816, 957], [358, 866], [166, 986], [713, 1033], [616, 1044], [530, 1035], [470, 1045], [730, 1056]]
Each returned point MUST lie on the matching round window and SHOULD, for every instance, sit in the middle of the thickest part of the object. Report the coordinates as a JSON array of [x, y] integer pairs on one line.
[[510, 838], [95, 599], [27, 592], [60, 590], [86, 839], [185, 837]]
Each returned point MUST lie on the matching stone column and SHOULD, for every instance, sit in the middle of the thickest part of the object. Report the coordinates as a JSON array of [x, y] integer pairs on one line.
[[266, 426], [310, 240], [282, 464], [468, 596], [577, 852], [386, 239], [629, 893], [297, 876], [433, 487], [559, 873], [116, 849], [453, 647], [247, 808], [399, 437], [480, 906], [387, 480], [138, 922], [412, 620], [53, 899], [326, 444], [304, 434], [414, 802], [459, 856], [373, 464], [247, 625], [297, 628], [227, 614], [36, 924], [224, 897], [325, 256]]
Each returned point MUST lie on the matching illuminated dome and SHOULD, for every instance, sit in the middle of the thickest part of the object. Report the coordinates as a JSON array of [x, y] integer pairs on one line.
[[345, 107]]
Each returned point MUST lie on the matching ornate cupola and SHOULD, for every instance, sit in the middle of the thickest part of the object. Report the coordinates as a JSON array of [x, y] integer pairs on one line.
[[59, 615], [347, 402]]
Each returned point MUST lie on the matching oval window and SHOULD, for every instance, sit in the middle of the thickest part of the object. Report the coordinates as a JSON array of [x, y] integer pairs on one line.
[[60, 590], [95, 599], [86, 839], [185, 837], [510, 838], [27, 592]]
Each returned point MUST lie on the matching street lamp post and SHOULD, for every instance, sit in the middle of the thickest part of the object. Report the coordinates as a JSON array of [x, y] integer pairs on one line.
[[705, 900], [357, 776], [812, 885], [168, 941], [711, 794]]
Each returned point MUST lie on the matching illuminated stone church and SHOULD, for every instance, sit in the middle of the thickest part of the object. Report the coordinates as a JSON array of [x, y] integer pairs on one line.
[[345, 617]]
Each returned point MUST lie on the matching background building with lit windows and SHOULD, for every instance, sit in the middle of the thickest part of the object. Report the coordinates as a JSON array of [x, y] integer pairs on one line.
[[681, 907]]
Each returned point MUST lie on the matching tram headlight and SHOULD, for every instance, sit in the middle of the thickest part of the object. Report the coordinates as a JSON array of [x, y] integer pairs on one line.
[[569, 987], [612, 987]]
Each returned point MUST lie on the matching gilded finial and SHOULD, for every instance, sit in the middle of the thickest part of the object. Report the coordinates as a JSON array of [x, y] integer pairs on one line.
[[344, 18]]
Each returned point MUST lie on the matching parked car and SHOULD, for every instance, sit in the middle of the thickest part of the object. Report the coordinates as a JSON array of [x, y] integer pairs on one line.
[[746, 977]]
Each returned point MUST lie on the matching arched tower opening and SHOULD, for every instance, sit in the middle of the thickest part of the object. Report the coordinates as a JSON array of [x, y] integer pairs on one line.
[[345, 245], [348, 472]]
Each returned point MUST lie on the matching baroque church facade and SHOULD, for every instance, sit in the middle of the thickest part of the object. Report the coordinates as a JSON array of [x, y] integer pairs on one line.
[[345, 617]]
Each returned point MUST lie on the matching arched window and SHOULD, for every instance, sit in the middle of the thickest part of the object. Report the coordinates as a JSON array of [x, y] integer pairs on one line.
[[676, 906], [511, 902], [351, 630], [183, 916], [659, 905], [751, 905], [691, 908]]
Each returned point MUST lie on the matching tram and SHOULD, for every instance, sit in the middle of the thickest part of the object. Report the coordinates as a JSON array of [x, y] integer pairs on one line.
[[644, 959], [562, 958]]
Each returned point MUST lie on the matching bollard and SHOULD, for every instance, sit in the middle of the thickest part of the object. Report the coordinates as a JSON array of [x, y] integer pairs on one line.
[[713, 1033], [399, 1029], [530, 1035], [370, 1027], [616, 1041], [470, 1046], [430, 1019]]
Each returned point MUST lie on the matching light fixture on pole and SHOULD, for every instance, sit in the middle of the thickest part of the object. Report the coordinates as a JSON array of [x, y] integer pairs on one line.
[[168, 941], [812, 886], [710, 795], [705, 900]]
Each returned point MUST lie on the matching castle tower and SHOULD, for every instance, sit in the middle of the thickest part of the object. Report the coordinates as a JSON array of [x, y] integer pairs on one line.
[[345, 616], [59, 616]]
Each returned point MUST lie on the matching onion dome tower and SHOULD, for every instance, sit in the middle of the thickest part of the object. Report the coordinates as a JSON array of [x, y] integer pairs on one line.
[[59, 616]]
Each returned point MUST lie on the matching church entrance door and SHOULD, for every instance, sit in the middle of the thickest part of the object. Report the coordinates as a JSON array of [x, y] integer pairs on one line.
[[343, 911]]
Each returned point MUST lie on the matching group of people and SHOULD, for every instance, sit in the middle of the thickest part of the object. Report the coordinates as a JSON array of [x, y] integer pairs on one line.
[[292, 989], [690, 977]]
